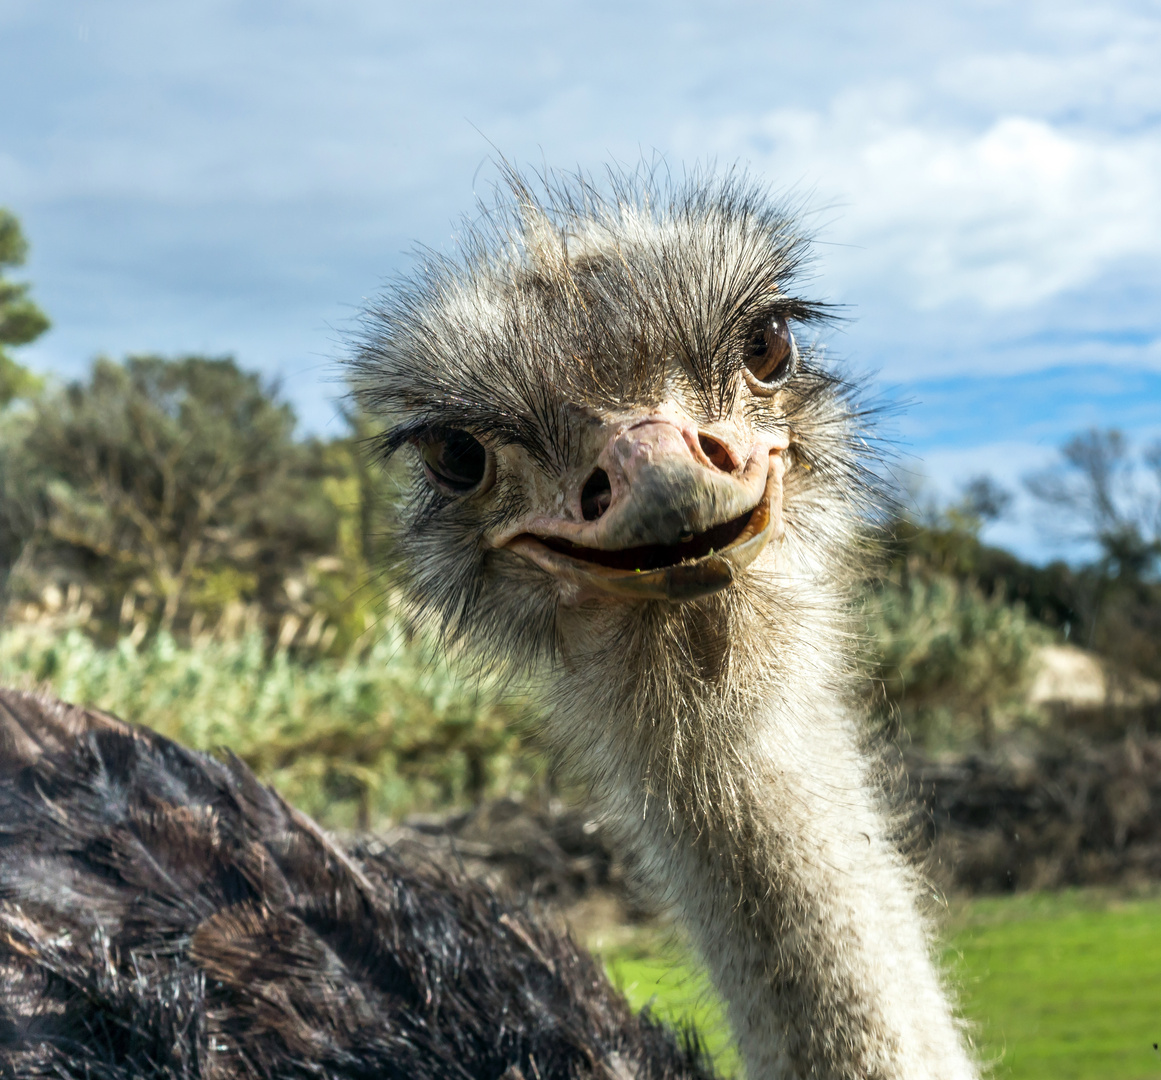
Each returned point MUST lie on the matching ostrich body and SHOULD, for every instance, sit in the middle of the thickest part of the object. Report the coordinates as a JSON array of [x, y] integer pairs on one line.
[[163, 916], [633, 489]]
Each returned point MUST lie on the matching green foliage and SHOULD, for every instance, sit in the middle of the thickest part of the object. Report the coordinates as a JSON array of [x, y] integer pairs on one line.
[[349, 742], [341, 588], [952, 661], [21, 321], [1111, 605], [954, 623], [1053, 595], [178, 484], [1101, 490], [176, 495]]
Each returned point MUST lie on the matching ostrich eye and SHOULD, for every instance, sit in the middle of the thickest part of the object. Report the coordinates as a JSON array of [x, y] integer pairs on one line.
[[455, 463], [771, 356]]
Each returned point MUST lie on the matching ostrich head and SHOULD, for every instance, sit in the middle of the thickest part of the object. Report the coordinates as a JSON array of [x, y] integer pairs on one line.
[[616, 421]]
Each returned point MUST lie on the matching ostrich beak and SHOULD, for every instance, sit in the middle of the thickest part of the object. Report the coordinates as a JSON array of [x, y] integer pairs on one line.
[[676, 516]]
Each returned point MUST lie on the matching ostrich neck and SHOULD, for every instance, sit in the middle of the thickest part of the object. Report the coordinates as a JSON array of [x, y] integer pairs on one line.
[[774, 851]]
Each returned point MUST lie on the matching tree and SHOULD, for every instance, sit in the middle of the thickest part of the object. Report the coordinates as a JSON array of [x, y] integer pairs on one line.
[[21, 321], [983, 501], [176, 482], [1100, 491], [1105, 492]]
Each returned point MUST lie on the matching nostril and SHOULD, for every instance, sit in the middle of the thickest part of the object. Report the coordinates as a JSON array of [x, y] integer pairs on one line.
[[717, 453], [596, 495]]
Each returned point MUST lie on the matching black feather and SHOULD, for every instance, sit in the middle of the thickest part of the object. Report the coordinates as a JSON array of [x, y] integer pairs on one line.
[[164, 915]]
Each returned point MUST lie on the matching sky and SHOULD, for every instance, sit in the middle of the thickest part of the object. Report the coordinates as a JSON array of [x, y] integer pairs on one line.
[[983, 180]]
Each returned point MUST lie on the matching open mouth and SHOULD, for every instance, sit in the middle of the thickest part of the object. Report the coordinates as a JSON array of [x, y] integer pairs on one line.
[[655, 556], [688, 570]]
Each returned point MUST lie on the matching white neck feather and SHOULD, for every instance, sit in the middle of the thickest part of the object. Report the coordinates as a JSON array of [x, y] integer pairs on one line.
[[774, 849]]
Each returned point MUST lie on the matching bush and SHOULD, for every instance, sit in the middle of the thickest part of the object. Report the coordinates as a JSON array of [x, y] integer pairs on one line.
[[376, 735], [953, 663]]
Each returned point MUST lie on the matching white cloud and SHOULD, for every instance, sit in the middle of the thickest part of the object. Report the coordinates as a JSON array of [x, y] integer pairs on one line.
[[1095, 63], [1004, 217]]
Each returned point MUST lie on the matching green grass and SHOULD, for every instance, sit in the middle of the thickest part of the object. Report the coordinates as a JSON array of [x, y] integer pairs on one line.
[[1064, 986], [675, 991]]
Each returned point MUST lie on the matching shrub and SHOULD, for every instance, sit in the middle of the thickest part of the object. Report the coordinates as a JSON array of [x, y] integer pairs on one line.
[[954, 663], [378, 734]]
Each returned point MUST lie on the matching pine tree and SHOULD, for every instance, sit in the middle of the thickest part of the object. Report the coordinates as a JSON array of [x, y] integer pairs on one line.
[[21, 321]]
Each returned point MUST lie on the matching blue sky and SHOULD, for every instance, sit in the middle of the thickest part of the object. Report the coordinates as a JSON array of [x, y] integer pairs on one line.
[[984, 179]]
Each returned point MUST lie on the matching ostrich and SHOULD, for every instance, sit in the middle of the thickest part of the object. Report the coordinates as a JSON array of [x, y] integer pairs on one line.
[[163, 916], [634, 488]]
